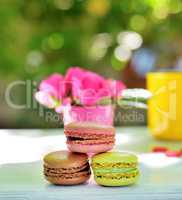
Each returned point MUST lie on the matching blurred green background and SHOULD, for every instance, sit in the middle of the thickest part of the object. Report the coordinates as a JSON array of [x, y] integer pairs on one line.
[[118, 39]]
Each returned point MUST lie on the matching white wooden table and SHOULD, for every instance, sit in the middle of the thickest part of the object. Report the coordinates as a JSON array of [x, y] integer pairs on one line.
[[21, 168]]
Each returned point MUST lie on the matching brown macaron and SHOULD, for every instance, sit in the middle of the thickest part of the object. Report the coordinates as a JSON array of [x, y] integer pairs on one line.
[[66, 168]]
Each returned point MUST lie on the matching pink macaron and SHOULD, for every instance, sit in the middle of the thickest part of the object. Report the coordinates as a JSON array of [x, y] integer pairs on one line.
[[89, 137]]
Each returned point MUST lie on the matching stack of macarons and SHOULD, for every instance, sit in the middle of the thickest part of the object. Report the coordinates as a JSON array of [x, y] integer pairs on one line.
[[86, 139]]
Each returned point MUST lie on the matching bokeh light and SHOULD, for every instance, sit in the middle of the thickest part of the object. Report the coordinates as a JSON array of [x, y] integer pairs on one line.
[[130, 40], [138, 22], [53, 42], [100, 45], [122, 53], [34, 58], [63, 4], [143, 61], [161, 12], [160, 8], [175, 6], [98, 7]]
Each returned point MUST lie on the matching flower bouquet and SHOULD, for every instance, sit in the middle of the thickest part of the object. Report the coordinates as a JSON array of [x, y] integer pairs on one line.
[[81, 95]]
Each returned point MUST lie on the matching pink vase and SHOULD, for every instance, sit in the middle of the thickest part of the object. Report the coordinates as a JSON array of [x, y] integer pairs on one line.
[[100, 114]]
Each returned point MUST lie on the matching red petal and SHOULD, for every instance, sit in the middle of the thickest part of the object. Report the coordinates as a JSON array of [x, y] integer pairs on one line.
[[159, 149], [174, 153]]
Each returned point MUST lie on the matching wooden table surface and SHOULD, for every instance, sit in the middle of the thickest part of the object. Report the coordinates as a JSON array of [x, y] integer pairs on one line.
[[21, 176]]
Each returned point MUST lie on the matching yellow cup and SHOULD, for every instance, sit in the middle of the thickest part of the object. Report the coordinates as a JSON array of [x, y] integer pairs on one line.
[[165, 106]]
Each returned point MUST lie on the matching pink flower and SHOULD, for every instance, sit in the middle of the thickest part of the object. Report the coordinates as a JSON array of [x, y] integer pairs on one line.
[[74, 72], [45, 99], [54, 85], [87, 87], [51, 91], [79, 86], [72, 76], [66, 104], [93, 80], [116, 87]]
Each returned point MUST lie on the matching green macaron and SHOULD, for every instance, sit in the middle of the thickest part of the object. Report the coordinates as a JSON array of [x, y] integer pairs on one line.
[[115, 168]]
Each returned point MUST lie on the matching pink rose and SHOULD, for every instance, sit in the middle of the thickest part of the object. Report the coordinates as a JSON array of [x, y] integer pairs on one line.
[[87, 87], [93, 80], [54, 85], [74, 72], [79, 86], [72, 76]]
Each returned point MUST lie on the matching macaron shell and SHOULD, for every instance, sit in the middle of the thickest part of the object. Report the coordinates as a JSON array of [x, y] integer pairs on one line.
[[115, 182], [65, 181], [83, 148], [88, 127], [115, 157], [89, 135], [65, 159], [89, 131]]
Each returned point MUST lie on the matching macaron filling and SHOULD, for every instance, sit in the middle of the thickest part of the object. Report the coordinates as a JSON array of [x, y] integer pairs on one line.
[[69, 138], [115, 170], [67, 173], [115, 165], [118, 176], [93, 140]]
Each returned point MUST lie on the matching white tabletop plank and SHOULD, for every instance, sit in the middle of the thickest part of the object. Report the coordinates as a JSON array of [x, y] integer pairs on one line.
[[21, 176]]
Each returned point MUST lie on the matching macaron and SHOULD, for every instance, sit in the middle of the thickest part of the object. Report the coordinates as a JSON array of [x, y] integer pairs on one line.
[[115, 168], [66, 168], [89, 137]]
